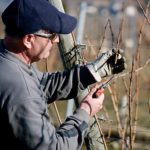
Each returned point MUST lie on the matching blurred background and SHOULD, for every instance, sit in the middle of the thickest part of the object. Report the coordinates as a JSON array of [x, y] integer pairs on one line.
[[103, 25]]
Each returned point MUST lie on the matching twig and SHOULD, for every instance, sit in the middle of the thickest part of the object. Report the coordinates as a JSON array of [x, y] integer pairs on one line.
[[99, 51], [121, 28], [112, 34], [101, 132], [107, 115], [135, 71], [116, 111], [55, 106], [57, 112], [144, 11], [148, 103], [130, 106], [120, 32], [125, 85], [138, 75]]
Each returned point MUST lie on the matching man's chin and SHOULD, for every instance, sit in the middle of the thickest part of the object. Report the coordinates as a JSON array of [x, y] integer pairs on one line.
[[46, 56]]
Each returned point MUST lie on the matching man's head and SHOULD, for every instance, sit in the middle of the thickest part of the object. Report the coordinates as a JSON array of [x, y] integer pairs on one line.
[[24, 17], [32, 27]]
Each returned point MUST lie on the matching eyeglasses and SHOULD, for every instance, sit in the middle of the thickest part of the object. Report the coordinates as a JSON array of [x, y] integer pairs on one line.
[[51, 37]]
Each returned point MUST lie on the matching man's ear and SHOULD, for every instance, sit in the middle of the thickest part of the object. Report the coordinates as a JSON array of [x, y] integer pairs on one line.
[[28, 40]]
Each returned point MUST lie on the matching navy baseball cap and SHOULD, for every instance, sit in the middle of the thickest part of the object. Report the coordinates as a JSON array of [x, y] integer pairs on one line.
[[23, 17]]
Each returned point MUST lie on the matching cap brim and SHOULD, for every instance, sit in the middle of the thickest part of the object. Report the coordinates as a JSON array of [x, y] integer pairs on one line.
[[68, 23]]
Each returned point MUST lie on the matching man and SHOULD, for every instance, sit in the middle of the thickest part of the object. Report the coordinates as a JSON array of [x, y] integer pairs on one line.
[[32, 27]]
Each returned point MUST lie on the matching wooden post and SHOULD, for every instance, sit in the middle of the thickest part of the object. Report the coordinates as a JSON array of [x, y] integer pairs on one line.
[[93, 140]]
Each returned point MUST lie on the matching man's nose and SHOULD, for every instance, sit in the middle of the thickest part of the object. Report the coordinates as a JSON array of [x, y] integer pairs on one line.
[[56, 40]]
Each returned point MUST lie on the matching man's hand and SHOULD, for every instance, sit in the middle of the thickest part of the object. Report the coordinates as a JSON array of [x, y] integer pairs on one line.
[[92, 105], [111, 62]]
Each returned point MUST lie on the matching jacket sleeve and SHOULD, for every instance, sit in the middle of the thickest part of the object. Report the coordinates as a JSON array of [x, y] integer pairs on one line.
[[31, 127], [67, 84]]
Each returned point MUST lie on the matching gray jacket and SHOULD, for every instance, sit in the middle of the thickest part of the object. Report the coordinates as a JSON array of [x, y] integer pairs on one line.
[[24, 95]]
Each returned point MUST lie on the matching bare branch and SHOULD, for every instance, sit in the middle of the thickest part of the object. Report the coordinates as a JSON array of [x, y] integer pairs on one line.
[[135, 71], [144, 11]]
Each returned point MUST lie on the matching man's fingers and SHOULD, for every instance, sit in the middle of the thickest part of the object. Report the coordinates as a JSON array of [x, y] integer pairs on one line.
[[94, 89], [119, 68], [120, 51], [121, 61], [98, 92]]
